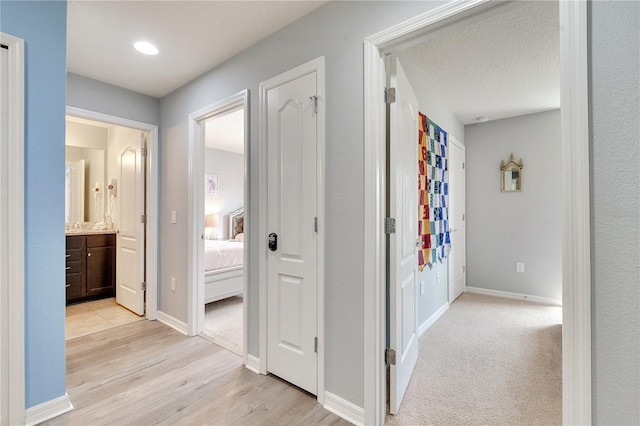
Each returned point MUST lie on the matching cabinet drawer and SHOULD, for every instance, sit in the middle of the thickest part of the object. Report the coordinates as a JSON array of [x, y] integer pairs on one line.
[[74, 255], [75, 286], [75, 242], [75, 267], [101, 240]]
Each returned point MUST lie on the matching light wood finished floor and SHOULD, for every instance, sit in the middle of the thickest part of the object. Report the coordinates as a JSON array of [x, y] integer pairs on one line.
[[146, 373], [98, 315]]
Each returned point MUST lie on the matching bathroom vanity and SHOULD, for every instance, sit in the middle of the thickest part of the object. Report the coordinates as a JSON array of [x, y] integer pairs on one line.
[[90, 265]]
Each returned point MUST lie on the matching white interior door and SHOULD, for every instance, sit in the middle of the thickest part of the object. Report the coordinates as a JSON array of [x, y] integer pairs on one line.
[[130, 260], [457, 256], [403, 260], [74, 191], [292, 265]]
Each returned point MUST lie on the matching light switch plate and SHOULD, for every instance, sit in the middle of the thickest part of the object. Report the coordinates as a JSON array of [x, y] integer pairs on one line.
[[519, 267], [174, 216]]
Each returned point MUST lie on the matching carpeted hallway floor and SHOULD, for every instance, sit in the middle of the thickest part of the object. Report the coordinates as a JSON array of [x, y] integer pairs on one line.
[[223, 323], [488, 361]]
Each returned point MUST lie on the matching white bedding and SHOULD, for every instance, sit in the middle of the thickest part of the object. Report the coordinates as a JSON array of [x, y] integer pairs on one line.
[[222, 254]]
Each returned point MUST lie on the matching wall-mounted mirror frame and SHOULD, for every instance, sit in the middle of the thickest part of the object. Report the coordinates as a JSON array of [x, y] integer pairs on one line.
[[511, 175]]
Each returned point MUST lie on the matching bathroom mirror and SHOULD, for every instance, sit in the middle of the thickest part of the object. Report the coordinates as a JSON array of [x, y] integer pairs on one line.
[[511, 174], [85, 170]]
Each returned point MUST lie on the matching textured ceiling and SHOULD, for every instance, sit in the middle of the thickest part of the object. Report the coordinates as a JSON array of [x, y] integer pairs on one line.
[[502, 66], [193, 37], [226, 132]]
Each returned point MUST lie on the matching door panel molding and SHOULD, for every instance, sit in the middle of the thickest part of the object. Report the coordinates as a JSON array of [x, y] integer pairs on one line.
[[317, 66], [576, 339]]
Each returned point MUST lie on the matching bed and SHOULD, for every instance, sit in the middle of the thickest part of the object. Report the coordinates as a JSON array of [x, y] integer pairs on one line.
[[224, 262]]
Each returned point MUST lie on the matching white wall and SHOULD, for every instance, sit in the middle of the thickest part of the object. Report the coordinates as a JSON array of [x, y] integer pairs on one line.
[[432, 106], [615, 226], [505, 228], [230, 167]]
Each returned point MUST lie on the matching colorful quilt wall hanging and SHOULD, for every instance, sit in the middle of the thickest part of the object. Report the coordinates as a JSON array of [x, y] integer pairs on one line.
[[433, 193]]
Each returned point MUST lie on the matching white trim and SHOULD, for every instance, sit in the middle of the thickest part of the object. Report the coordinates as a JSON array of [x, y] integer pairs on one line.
[[12, 340], [433, 318], [252, 363], [576, 242], [514, 296], [173, 322], [343, 408], [48, 410], [317, 65], [153, 164], [196, 296]]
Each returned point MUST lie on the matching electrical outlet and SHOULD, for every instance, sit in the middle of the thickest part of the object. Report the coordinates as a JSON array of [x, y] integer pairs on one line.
[[174, 217], [421, 287], [437, 277], [173, 284], [519, 267]]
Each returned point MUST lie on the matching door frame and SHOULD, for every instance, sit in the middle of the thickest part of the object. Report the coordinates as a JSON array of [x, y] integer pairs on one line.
[[576, 259], [12, 380], [457, 143], [153, 164], [196, 211], [316, 65]]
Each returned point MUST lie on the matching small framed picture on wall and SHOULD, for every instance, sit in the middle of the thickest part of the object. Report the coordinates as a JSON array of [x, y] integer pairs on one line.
[[212, 184]]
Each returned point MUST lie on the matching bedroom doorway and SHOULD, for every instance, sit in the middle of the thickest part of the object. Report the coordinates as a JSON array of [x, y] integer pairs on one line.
[[219, 185]]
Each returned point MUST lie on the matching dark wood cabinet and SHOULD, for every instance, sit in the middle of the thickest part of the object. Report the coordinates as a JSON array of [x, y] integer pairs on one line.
[[90, 266]]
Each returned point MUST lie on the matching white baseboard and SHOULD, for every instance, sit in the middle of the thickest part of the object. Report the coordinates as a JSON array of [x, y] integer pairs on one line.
[[516, 296], [253, 364], [433, 318], [48, 410], [173, 322], [344, 408]]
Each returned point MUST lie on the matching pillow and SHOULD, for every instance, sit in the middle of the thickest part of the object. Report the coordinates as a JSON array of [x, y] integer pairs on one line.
[[240, 237]]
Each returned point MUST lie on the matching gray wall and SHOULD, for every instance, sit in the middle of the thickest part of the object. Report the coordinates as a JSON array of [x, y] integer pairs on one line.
[[335, 31], [505, 228], [435, 278], [230, 167], [93, 95], [615, 103]]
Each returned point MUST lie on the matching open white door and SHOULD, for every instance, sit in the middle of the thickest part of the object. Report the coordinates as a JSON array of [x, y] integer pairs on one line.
[[130, 287], [292, 257], [403, 260], [457, 268]]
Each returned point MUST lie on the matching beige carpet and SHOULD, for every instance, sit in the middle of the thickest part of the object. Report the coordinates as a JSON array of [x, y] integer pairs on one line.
[[488, 361], [223, 323]]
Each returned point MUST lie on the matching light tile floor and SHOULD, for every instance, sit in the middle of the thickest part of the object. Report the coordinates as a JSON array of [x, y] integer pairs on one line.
[[98, 315]]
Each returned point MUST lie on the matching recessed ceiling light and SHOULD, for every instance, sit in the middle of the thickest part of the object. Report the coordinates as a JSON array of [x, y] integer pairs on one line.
[[482, 119], [146, 48]]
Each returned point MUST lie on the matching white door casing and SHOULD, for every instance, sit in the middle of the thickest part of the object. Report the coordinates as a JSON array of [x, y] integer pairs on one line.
[[131, 229], [292, 209], [196, 292], [457, 268], [151, 198], [12, 360], [403, 261], [576, 339]]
